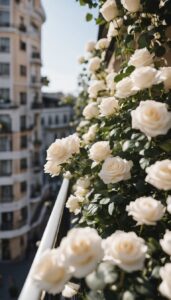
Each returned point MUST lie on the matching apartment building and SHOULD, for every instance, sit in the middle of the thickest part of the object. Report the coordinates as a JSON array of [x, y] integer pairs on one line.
[[20, 124]]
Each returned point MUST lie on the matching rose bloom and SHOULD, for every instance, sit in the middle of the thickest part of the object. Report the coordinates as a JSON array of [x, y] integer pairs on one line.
[[91, 111], [165, 76], [114, 27], [90, 46], [131, 5], [73, 143], [52, 168], [83, 182], [115, 169], [111, 85], [126, 250], [58, 152], [141, 58], [82, 249], [80, 191], [165, 286], [73, 204], [125, 88], [144, 77], [146, 210], [70, 290], [109, 10], [100, 151], [50, 273], [102, 44], [159, 175], [169, 204], [81, 60], [166, 242], [108, 106], [91, 134], [95, 87], [94, 64], [152, 118]]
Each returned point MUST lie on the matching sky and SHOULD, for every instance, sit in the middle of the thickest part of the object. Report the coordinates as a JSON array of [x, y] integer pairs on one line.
[[64, 36]]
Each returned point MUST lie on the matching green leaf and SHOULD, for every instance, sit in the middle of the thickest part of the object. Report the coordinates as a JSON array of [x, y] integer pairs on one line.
[[166, 146], [89, 17], [105, 201], [111, 208]]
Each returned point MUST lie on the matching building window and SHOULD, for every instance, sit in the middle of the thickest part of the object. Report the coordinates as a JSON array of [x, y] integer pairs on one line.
[[23, 164], [5, 143], [5, 123], [23, 142], [23, 187], [4, 45], [4, 19], [50, 120], [6, 193], [65, 119], [23, 98], [4, 95], [23, 123], [42, 121], [5, 167], [23, 46], [57, 120], [23, 70], [4, 2], [4, 69]]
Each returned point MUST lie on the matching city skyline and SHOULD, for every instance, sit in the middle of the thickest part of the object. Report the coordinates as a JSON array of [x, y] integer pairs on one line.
[[60, 62]]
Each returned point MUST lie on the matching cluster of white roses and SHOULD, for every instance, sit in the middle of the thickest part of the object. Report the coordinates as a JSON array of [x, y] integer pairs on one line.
[[60, 152], [80, 252], [81, 189]]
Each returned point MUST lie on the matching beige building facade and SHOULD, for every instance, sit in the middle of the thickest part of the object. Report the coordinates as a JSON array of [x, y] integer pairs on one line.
[[20, 123]]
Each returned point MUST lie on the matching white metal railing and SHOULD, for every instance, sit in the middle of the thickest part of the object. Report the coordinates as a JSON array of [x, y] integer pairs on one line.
[[30, 290]]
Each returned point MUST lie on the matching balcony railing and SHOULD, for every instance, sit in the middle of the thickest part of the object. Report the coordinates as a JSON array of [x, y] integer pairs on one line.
[[49, 239]]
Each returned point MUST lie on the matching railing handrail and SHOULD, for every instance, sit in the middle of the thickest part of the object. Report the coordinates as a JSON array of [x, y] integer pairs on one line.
[[30, 290]]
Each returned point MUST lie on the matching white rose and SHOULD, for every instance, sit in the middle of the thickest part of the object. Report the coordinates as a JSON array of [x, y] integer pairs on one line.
[[91, 134], [166, 242], [52, 168], [50, 273], [109, 10], [70, 290], [140, 58], [115, 169], [108, 106], [90, 46], [159, 175], [125, 88], [58, 152], [111, 85], [131, 5], [126, 250], [165, 76], [94, 64], [82, 249], [152, 118], [73, 143], [95, 87], [102, 44], [144, 77], [91, 111], [80, 192], [100, 151], [83, 182], [81, 60], [73, 204], [146, 210], [169, 204], [165, 286], [114, 27]]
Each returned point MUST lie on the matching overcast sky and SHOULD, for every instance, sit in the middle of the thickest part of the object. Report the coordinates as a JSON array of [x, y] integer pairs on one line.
[[64, 36]]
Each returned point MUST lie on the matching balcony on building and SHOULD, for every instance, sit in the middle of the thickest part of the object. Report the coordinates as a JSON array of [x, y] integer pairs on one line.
[[35, 82], [36, 58]]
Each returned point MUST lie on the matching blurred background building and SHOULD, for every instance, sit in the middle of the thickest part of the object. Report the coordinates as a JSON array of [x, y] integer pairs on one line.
[[20, 123]]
